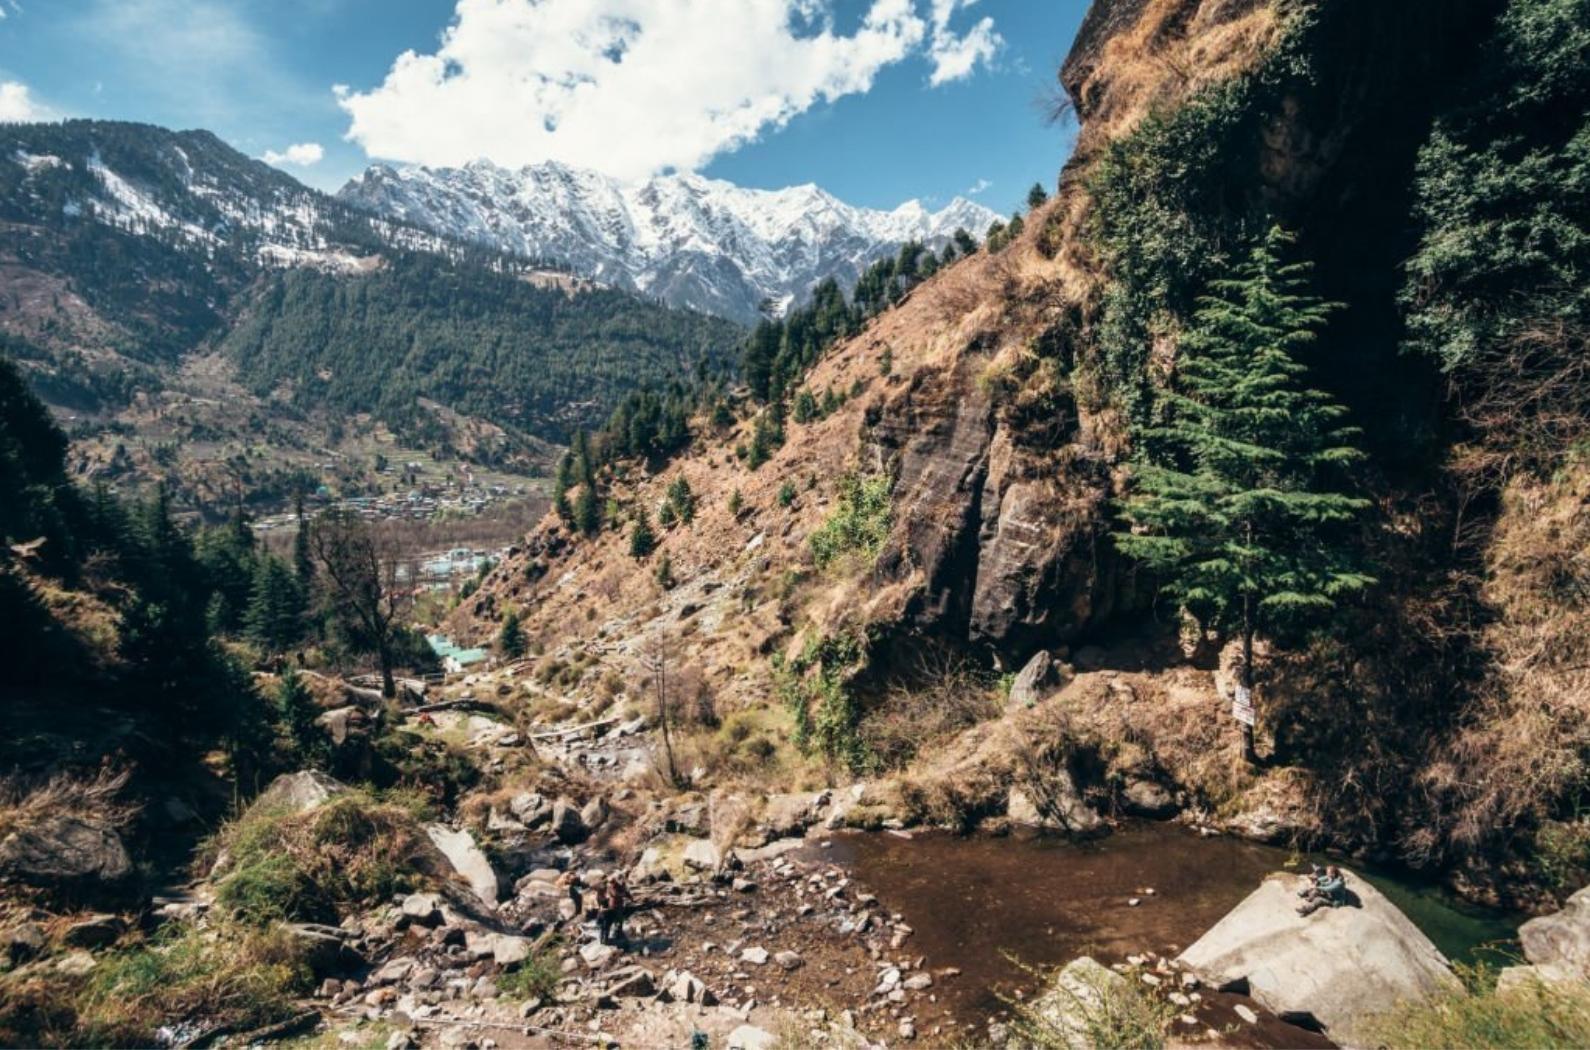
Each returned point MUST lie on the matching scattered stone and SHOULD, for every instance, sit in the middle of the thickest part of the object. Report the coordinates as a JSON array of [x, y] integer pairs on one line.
[[789, 960], [1242, 1011], [96, 931], [531, 809], [754, 956], [24, 941], [631, 982], [597, 955], [918, 982], [567, 824], [423, 909], [1559, 944], [907, 1030], [702, 855]]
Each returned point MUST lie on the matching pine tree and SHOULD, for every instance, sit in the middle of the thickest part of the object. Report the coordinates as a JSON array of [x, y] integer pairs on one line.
[[275, 614], [805, 406], [1037, 195], [587, 514], [303, 564], [682, 500], [642, 540], [296, 711], [1233, 504], [510, 639]]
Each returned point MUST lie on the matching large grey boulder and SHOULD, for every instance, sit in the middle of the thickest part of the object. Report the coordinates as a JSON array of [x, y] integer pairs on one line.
[[1561, 940], [1054, 805], [63, 851], [458, 846], [300, 791], [1336, 968]]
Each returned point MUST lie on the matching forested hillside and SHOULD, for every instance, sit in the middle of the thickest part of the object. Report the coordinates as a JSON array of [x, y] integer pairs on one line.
[[492, 345]]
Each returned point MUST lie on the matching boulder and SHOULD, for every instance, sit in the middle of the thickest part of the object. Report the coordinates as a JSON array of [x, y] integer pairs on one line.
[[1147, 798], [64, 850], [631, 982], [750, 1037], [1080, 995], [1059, 808], [597, 955], [458, 846], [595, 813], [686, 987], [423, 909], [755, 956], [1032, 680], [785, 815], [1332, 969], [96, 931], [24, 941], [326, 947], [702, 855], [1559, 943], [531, 809], [567, 824], [789, 960], [300, 791]]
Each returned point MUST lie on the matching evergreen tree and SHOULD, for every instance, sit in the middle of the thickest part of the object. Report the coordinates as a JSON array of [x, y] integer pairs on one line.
[[736, 503], [303, 563], [682, 499], [805, 406], [275, 616], [1232, 502], [667, 517], [583, 472], [587, 514], [296, 711], [642, 540], [1037, 195], [510, 639], [965, 243]]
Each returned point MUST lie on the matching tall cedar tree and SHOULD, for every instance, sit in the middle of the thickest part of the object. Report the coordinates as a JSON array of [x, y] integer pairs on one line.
[[1232, 503], [510, 640]]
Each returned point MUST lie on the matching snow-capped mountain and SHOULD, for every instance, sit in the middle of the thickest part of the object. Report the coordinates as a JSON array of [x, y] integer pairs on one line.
[[688, 240]]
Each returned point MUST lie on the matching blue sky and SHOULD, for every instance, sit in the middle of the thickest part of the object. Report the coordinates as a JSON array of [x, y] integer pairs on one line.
[[876, 101]]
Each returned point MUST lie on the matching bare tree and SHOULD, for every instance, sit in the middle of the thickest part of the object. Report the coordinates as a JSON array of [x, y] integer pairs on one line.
[[654, 658], [361, 581]]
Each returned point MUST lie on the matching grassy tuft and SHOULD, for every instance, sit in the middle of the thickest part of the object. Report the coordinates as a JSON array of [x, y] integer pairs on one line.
[[1521, 1018]]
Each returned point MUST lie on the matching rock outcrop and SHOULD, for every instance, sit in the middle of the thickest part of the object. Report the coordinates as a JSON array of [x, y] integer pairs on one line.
[[1333, 969], [67, 852], [1556, 945]]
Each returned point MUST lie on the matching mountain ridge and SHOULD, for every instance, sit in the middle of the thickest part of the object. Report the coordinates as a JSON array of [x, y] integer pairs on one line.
[[692, 241]]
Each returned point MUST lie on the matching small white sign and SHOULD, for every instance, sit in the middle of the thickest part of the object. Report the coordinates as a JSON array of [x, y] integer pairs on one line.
[[1242, 705]]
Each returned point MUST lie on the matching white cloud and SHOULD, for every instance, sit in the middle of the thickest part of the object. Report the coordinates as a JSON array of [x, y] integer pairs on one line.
[[300, 154], [632, 87], [977, 187], [956, 57], [17, 105]]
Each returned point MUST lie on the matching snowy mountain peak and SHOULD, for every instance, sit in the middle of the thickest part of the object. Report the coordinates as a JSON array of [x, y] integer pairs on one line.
[[687, 239]]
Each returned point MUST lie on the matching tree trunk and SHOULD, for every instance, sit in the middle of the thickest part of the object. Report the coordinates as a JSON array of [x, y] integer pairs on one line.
[[1249, 754], [388, 683]]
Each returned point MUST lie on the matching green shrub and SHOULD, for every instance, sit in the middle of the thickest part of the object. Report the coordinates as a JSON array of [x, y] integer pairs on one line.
[[536, 977], [859, 524], [353, 850], [815, 687], [1480, 1017]]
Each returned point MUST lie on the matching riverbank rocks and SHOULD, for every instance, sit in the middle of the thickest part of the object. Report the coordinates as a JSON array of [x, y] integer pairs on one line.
[[1059, 807], [1146, 798], [1333, 969], [1556, 945]]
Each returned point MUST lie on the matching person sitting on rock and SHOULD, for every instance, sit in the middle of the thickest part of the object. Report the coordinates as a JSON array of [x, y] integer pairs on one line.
[[1329, 890]]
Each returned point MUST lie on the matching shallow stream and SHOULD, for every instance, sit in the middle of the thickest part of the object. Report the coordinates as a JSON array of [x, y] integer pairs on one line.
[[979, 903]]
